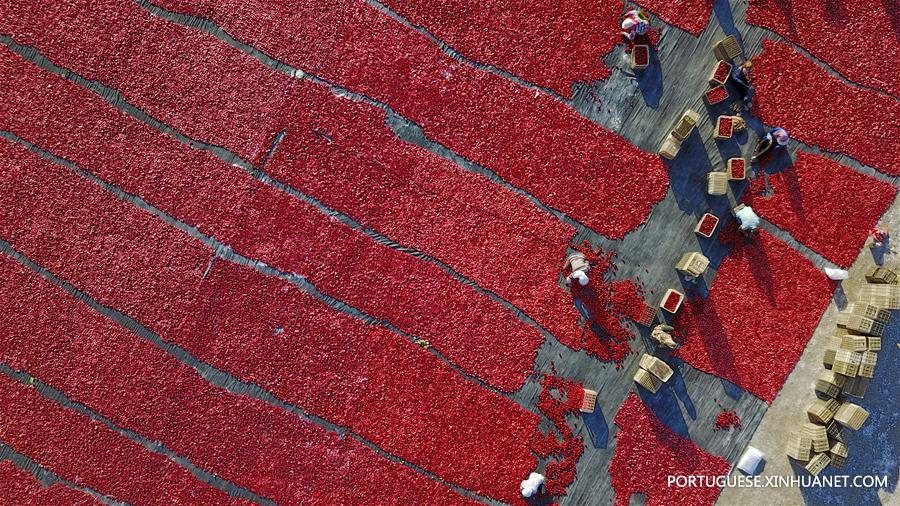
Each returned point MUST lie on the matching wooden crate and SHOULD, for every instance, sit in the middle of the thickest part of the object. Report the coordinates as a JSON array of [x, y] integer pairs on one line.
[[867, 364], [727, 48], [693, 264], [830, 351], [822, 411], [846, 363], [817, 435], [838, 453], [656, 367], [670, 147], [640, 56], [829, 383], [672, 293], [589, 403], [883, 296], [720, 73], [868, 311], [647, 380], [852, 342], [856, 387], [737, 169], [706, 218], [850, 415], [873, 343], [717, 183], [799, 446], [816, 464], [859, 325], [881, 275], [685, 124]]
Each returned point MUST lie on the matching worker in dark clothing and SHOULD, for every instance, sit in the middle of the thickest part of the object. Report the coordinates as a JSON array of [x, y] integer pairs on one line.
[[742, 80]]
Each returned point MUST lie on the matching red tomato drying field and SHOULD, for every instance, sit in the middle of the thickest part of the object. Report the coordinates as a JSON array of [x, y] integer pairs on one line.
[[648, 452], [762, 308], [828, 207], [857, 38], [824, 111]]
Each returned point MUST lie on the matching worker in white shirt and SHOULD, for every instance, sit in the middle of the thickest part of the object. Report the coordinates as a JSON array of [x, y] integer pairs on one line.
[[579, 266], [747, 219], [634, 23]]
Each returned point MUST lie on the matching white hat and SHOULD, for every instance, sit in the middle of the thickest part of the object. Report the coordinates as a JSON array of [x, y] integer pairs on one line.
[[627, 23]]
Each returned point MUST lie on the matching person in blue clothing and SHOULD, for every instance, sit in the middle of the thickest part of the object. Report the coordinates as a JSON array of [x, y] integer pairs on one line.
[[775, 140]]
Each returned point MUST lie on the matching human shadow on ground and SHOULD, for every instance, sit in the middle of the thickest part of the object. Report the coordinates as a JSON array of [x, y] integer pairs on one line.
[[878, 253], [722, 10], [874, 449]]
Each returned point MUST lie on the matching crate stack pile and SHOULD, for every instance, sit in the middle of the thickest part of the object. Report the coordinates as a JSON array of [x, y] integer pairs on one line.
[[850, 360]]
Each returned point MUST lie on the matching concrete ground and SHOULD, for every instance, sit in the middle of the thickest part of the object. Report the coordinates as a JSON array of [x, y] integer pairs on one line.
[[874, 449]]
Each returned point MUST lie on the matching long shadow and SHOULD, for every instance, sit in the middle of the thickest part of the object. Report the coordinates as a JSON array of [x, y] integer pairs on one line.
[[722, 10], [597, 427], [787, 9], [893, 9], [792, 186], [679, 387], [665, 405], [875, 448], [836, 13], [761, 268], [878, 253], [650, 80], [712, 248], [687, 174], [775, 162], [715, 344], [694, 290]]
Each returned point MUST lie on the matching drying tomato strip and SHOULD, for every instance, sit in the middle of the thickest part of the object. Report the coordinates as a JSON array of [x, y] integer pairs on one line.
[[87, 453], [826, 206], [794, 93], [267, 224], [648, 453], [762, 308], [365, 377], [530, 139]]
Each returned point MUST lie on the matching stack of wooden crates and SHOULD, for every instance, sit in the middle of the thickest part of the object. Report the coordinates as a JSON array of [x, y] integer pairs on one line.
[[850, 360]]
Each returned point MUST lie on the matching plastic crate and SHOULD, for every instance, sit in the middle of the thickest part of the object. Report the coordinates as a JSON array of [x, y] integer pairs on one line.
[[647, 380], [852, 416], [822, 410]]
